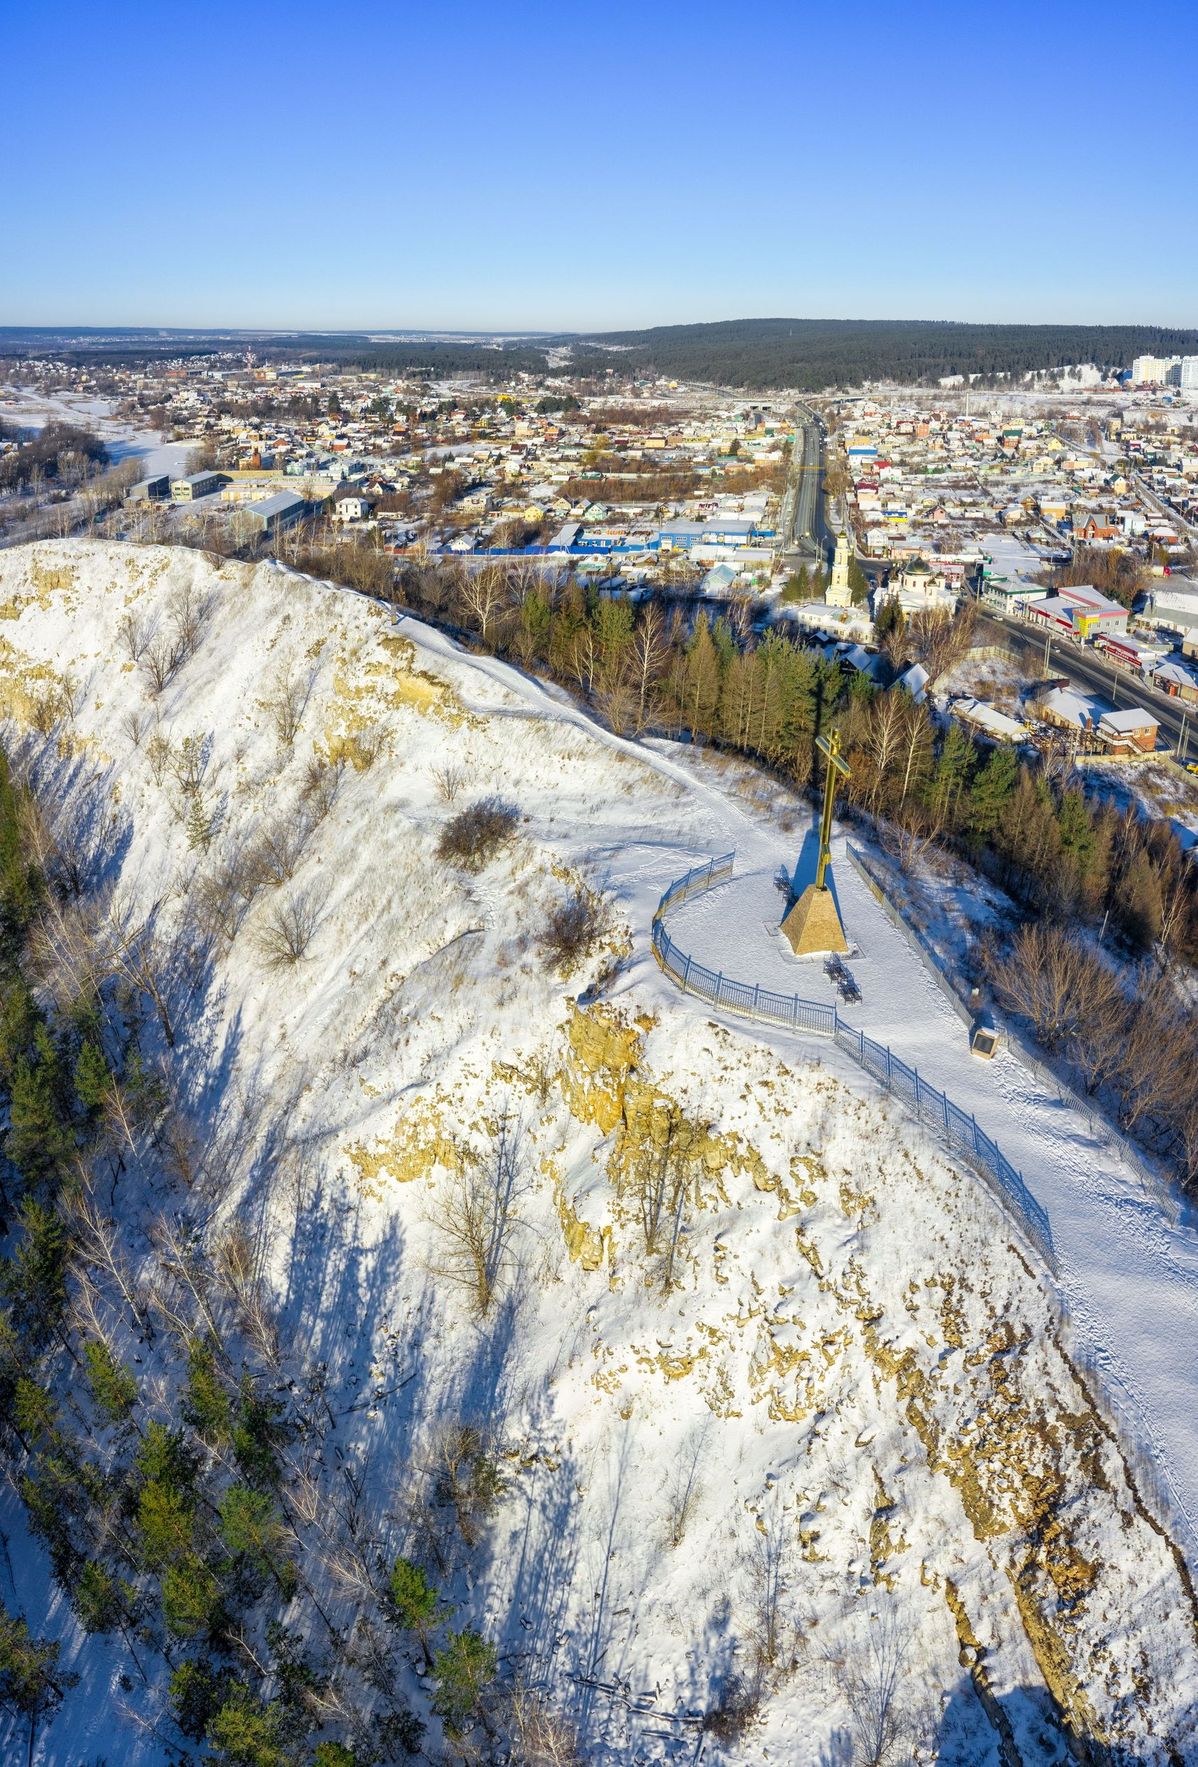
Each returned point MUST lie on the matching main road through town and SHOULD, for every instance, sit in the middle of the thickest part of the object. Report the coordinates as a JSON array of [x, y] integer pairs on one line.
[[1091, 670], [803, 533]]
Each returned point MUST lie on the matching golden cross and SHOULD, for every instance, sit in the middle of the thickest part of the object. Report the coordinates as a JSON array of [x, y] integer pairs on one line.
[[830, 746]]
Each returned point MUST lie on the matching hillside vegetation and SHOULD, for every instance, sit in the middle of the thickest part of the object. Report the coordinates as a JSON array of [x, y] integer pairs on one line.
[[426, 1336]]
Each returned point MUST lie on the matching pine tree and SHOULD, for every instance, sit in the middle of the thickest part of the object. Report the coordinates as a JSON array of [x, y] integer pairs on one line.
[[191, 1602], [34, 1279], [991, 792], [92, 1078], [205, 1402], [199, 825], [462, 1672], [415, 1601], [114, 1387], [252, 1530], [244, 1733], [31, 1681]]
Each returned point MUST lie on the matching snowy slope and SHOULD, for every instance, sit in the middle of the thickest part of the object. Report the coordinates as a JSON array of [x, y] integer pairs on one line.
[[858, 1371]]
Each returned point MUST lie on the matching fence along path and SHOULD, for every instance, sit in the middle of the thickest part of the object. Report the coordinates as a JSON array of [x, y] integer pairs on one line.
[[956, 1129]]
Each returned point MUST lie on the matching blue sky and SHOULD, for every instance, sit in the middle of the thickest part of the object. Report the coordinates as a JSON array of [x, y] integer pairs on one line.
[[582, 165]]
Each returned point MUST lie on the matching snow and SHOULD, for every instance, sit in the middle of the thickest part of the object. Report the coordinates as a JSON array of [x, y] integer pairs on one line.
[[870, 1376]]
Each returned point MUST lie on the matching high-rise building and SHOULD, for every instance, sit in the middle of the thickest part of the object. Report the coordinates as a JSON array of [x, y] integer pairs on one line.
[[1189, 372], [1152, 371]]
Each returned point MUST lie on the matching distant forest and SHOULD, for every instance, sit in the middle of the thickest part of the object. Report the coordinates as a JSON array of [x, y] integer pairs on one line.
[[813, 354], [808, 355]]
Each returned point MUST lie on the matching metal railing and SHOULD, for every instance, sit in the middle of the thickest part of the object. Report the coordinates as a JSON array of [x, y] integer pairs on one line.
[[932, 1107]]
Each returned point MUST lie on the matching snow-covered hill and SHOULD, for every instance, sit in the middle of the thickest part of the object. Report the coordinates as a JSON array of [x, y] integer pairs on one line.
[[827, 1424]]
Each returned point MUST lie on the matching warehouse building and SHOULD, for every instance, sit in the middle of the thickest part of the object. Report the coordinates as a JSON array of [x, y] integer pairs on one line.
[[272, 514], [196, 484], [152, 490]]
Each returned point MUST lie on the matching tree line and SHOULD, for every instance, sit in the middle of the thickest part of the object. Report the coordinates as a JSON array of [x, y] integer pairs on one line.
[[814, 354]]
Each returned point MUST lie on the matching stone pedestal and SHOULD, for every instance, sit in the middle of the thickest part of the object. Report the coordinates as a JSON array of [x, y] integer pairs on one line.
[[813, 924]]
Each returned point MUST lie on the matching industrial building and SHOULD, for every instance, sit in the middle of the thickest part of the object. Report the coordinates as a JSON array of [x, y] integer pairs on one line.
[[272, 514], [196, 484], [152, 490]]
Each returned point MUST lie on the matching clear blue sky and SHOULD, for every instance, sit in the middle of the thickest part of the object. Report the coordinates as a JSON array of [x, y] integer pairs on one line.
[[582, 165]]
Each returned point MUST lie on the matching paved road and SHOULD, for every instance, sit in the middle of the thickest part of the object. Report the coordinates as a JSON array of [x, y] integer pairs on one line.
[[1090, 669], [801, 521]]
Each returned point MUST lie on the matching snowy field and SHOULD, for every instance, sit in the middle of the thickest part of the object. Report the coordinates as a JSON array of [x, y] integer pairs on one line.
[[33, 410], [852, 1426]]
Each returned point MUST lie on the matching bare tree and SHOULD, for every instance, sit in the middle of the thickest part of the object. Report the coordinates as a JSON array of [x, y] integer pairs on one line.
[[287, 928], [475, 1211], [874, 1684], [449, 779], [286, 702], [1043, 976], [684, 1488], [541, 1736]]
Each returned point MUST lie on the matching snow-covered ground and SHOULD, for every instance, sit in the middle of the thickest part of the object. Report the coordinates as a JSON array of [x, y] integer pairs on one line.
[[885, 1415], [33, 410]]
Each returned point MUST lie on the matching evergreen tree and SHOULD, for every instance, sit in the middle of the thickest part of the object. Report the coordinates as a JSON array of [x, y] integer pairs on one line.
[[206, 1404], [92, 1078], [31, 1681], [191, 1601], [252, 1530], [990, 793], [40, 1138], [462, 1672], [196, 1693], [415, 1601], [20, 883], [33, 1281], [114, 1387], [245, 1733]]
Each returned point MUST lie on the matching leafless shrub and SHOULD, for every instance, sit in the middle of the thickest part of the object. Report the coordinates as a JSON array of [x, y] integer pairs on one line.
[[322, 786], [737, 1711], [54, 703], [287, 929], [769, 1581], [161, 661], [885, 1723], [1045, 976], [189, 611], [133, 726], [657, 1184], [239, 1265], [220, 899], [449, 778], [286, 703], [159, 753], [572, 929], [369, 745], [134, 636], [276, 854], [684, 1490], [474, 1212], [189, 764], [540, 1736], [473, 837]]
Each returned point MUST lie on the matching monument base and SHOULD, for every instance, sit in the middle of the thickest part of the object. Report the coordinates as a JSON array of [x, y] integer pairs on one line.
[[813, 924]]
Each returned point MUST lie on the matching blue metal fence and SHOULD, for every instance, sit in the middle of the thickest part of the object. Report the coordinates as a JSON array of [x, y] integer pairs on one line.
[[790, 1012]]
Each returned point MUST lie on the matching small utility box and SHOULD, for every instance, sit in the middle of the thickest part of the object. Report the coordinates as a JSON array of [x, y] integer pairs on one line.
[[983, 1041]]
